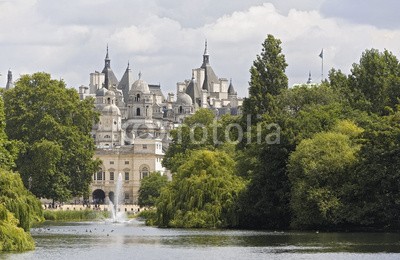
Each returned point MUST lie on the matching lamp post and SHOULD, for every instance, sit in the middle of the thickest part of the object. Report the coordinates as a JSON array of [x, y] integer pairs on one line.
[[30, 182]]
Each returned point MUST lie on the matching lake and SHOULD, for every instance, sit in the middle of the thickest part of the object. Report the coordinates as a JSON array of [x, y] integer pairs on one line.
[[134, 240]]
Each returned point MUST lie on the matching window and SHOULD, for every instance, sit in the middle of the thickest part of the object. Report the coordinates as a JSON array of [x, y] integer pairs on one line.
[[107, 136], [144, 172], [126, 195], [145, 146], [138, 111], [111, 162], [99, 176], [126, 162], [111, 176], [127, 176]]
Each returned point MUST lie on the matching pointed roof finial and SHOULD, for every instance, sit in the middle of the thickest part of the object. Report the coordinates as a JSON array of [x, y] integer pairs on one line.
[[309, 81], [107, 58], [205, 48], [140, 74], [128, 68]]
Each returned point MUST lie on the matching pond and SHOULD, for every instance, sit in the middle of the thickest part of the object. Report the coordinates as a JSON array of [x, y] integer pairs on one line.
[[134, 240]]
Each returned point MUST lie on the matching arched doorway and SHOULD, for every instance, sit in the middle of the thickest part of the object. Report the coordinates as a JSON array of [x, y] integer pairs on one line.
[[98, 196], [111, 196]]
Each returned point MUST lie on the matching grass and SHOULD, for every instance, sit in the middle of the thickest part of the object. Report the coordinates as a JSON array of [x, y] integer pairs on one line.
[[72, 215]]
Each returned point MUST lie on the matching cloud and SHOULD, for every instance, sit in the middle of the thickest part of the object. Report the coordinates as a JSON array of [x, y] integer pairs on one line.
[[165, 40], [377, 13]]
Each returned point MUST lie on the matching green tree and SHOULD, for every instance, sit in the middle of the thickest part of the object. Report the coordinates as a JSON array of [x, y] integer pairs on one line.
[[320, 171], [203, 193], [268, 78], [49, 119], [374, 82], [191, 135], [8, 149], [150, 188], [374, 198]]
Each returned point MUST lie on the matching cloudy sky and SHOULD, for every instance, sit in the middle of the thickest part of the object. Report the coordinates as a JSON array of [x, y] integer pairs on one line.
[[165, 39]]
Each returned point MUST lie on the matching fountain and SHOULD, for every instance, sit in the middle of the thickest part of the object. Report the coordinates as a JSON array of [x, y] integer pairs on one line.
[[117, 216]]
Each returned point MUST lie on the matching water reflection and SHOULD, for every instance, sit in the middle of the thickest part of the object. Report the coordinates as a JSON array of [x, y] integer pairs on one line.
[[104, 240]]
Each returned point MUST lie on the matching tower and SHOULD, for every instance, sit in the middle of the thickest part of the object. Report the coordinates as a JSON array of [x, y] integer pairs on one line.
[[109, 77], [10, 83]]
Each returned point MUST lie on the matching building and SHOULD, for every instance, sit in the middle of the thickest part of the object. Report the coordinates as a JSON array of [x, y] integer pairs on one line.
[[131, 136]]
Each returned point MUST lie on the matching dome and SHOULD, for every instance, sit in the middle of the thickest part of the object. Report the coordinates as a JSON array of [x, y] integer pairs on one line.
[[110, 93], [184, 99], [140, 86], [111, 110], [101, 92]]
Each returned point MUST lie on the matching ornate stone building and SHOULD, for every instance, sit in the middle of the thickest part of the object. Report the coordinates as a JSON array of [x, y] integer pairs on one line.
[[135, 118]]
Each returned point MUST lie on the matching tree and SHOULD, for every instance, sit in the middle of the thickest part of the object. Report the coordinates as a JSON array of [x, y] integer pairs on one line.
[[320, 171], [203, 193], [187, 137], [54, 127], [374, 83], [8, 149], [150, 188], [268, 78], [374, 198]]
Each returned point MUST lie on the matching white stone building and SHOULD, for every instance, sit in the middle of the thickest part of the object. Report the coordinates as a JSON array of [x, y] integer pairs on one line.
[[135, 118]]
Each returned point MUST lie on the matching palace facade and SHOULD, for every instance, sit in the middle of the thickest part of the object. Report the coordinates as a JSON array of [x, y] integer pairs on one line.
[[131, 136]]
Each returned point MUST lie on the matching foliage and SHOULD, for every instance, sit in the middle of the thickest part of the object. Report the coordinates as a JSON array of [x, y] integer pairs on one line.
[[374, 200], [75, 215], [319, 170], [203, 193], [26, 208], [54, 127], [268, 78], [150, 188], [374, 83], [8, 149], [12, 237], [200, 131]]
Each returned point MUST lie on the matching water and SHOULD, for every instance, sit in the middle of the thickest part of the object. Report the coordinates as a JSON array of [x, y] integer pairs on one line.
[[134, 240], [116, 214]]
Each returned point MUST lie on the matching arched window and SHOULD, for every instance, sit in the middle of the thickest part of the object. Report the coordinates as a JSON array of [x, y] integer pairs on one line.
[[107, 136], [144, 171], [138, 97], [180, 110], [138, 111]]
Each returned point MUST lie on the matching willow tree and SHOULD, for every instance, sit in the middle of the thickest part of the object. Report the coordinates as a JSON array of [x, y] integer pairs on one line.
[[53, 126], [202, 194]]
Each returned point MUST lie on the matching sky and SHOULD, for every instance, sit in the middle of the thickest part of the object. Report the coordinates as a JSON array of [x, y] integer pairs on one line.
[[164, 40]]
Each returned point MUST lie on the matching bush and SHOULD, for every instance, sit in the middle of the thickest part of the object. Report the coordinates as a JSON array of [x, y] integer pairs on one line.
[[72, 215]]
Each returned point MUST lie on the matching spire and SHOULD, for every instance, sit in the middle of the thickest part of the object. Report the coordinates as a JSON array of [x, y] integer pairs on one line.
[[128, 68], [205, 48], [10, 83], [231, 89], [309, 81], [206, 56], [107, 59], [140, 74]]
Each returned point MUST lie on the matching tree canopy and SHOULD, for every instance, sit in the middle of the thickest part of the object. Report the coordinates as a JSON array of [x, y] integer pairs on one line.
[[53, 127], [203, 193], [150, 189]]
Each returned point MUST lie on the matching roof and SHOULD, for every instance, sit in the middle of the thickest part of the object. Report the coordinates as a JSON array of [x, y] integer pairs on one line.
[[193, 91], [231, 89], [126, 82], [156, 89]]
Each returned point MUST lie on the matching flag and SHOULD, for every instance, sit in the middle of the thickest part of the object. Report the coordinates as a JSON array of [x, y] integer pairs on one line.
[[321, 55]]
